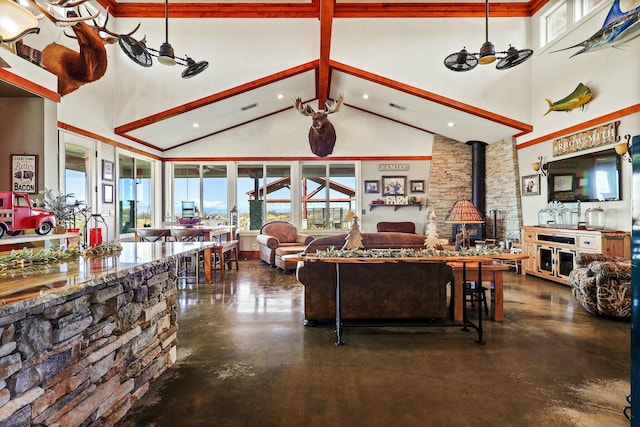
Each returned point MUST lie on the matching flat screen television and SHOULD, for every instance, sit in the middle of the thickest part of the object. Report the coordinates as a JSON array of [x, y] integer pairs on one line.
[[587, 178]]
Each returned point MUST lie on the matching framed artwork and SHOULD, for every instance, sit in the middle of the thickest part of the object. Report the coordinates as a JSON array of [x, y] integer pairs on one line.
[[107, 193], [24, 173], [372, 186], [107, 170], [563, 183], [531, 185], [394, 185], [417, 186]]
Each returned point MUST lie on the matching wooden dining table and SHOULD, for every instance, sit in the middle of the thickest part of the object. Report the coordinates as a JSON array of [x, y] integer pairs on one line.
[[210, 233]]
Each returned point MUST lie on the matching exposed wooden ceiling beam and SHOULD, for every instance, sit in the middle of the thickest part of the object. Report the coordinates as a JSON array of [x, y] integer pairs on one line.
[[326, 23], [313, 10]]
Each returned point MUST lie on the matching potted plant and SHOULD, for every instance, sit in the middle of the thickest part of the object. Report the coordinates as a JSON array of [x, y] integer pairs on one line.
[[59, 207]]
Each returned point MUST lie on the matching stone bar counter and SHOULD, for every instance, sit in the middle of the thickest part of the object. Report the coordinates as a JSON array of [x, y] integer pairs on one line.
[[80, 341]]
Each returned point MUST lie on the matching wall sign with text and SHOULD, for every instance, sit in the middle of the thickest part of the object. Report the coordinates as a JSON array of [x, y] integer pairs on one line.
[[24, 173], [584, 140]]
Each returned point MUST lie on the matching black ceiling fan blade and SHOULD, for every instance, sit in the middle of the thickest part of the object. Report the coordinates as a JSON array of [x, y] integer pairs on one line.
[[135, 50], [514, 57], [194, 68], [461, 61]]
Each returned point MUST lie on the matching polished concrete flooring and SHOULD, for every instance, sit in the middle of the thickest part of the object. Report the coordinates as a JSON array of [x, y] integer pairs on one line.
[[245, 359]]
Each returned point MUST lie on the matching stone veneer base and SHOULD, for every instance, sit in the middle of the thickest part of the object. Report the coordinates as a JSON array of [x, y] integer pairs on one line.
[[85, 358]]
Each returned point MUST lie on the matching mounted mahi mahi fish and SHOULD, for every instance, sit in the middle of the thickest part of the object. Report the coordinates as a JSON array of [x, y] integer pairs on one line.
[[580, 96], [618, 28]]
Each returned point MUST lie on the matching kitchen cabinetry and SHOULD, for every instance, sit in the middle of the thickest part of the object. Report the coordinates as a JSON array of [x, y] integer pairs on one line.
[[552, 251]]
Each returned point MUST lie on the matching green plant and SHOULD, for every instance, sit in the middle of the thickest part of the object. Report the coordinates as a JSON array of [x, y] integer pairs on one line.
[[58, 205]]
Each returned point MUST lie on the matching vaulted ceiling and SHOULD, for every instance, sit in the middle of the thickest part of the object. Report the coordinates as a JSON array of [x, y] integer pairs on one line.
[[319, 80]]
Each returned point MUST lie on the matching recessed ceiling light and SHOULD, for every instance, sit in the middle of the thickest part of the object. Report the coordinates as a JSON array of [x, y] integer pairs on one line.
[[196, 125], [280, 95], [365, 96], [451, 124]]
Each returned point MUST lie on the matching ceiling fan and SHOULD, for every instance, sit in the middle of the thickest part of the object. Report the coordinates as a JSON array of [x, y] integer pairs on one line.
[[142, 55], [465, 61]]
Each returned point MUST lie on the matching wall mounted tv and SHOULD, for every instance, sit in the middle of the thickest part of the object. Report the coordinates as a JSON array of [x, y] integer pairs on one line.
[[587, 178]]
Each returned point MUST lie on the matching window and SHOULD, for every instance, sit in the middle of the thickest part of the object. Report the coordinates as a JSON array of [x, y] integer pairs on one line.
[[214, 193], [583, 7], [134, 193], [553, 23], [200, 190], [264, 194], [326, 201]]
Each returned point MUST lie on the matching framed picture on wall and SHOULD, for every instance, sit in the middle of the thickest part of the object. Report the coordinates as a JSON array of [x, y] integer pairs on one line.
[[417, 186], [107, 193], [394, 185], [372, 186], [24, 173], [107, 170], [531, 185]]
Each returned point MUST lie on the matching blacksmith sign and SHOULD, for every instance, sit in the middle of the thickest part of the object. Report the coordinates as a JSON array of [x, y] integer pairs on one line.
[[24, 173], [584, 140]]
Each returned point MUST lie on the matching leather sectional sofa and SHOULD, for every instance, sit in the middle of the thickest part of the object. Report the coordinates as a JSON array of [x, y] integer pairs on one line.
[[375, 291]]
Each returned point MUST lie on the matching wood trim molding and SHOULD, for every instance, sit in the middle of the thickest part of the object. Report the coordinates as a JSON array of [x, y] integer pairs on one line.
[[301, 159], [581, 126], [28, 85], [88, 134]]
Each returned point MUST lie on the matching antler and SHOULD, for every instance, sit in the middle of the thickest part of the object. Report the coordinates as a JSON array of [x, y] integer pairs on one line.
[[63, 21], [304, 110], [333, 108]]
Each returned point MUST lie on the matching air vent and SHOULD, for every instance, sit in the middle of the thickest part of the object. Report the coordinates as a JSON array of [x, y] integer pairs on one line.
[[250, 106], [399, 107]]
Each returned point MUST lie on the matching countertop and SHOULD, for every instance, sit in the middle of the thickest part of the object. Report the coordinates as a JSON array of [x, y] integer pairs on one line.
[[25, 288]]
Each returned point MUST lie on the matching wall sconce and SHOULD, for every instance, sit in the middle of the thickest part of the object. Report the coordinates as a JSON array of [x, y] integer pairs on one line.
[[540, 167], [622, 149]]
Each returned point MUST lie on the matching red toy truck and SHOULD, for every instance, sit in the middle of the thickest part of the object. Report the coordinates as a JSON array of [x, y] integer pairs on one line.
[[17, 214]]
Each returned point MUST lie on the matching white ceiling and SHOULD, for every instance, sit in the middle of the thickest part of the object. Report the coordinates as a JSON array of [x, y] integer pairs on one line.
[[217, 112]]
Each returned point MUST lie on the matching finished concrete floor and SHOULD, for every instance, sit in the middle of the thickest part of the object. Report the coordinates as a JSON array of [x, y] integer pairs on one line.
[[245, 359]]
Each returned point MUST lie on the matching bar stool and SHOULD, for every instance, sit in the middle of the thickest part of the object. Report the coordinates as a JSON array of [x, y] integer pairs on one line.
[[189, 235], [470, 295], [225, 254]]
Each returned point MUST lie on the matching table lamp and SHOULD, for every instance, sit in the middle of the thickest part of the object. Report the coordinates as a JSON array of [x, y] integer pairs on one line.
[[464, 212]]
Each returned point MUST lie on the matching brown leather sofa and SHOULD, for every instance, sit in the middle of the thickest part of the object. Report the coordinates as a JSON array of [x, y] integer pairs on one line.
[[402, 227], [279, 238], [602, 284], [375, 291]]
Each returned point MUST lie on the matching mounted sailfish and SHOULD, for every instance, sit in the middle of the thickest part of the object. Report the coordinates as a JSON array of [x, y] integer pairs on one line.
[[618, 28], [580, 96]]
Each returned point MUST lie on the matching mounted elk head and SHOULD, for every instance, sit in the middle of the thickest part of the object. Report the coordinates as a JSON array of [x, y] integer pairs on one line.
[[77, 68], [322, 135]]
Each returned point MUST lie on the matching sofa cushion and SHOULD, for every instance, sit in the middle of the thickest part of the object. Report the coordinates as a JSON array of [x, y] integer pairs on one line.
[[389, 240], [284, 232]]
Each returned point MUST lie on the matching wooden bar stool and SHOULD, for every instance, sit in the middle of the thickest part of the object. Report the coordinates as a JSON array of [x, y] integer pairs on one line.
[[224, 254]]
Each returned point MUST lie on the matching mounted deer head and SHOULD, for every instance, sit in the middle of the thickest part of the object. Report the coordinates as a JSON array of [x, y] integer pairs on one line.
[[77, 68], [322, 135]]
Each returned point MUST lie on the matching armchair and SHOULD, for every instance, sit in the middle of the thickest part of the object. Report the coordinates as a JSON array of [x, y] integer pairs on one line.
[[602, 284], [279, 238]]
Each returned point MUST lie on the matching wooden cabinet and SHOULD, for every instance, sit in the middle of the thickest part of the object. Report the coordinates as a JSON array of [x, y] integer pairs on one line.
[[552, 251]]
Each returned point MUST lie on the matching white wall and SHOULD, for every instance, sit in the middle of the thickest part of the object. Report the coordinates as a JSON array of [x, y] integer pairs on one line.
[[611, 74]]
